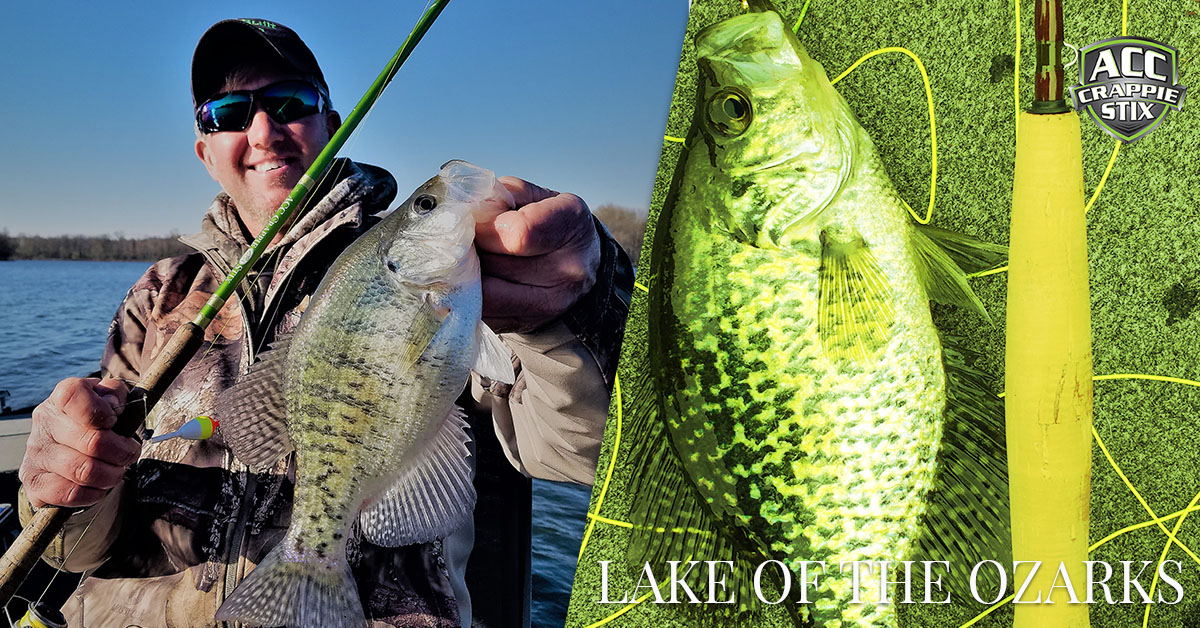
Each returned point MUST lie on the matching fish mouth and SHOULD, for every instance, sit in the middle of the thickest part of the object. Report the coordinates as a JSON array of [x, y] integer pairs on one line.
[[742, 37], [467, 183]]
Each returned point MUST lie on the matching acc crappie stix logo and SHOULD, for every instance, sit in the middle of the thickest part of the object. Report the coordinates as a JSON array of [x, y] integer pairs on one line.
[[1128, 84]]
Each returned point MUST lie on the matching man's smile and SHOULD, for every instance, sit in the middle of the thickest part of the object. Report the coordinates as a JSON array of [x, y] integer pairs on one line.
[[270, 164]]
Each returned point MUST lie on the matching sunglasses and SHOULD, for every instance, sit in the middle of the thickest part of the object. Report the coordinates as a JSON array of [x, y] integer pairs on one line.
[[285, 101]]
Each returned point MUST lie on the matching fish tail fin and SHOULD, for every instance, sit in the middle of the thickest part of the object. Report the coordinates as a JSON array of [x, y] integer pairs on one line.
[[945, 257], [967, 521], [283, 591], [670, 521]]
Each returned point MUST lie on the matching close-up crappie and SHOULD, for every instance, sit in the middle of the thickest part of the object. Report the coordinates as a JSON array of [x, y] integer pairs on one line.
[[370, 378], [799, 404]]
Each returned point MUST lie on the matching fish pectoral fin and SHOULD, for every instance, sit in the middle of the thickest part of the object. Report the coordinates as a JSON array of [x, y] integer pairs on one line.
[[967, 520], [252, 412], [433, 494], [669, 518], [856, 309], [425, 325], [942, 257], [493, 360]]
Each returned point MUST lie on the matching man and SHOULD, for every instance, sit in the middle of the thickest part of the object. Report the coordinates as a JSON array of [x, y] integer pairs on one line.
[[171, 536]]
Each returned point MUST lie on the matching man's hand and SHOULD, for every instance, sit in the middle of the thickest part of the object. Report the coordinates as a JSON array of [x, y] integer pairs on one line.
[[538, 260], [72, 456]]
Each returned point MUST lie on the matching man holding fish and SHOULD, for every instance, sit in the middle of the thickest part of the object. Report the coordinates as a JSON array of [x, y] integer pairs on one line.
[[172, 537]]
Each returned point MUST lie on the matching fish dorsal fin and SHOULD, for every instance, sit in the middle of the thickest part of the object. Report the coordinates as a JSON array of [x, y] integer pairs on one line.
[[967, 521], [856, 309], [670, 520], [493, 360], [253, 412], [971, 254], [943, 256], [433, 494]]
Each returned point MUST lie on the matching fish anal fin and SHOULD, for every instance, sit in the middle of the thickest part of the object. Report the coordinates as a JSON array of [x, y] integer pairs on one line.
[[967, 520], [670, 521], [856, 308], [253, 413], [433, 494]]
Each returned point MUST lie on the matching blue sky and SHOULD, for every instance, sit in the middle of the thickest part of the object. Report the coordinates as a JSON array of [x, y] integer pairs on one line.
[[95, 109]]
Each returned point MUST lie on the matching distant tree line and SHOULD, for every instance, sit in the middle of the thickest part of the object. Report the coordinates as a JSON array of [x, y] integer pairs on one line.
[[107, 247], [7, 249], [628, 226]]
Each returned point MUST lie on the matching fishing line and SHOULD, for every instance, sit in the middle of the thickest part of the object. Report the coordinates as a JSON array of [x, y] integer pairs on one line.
[[622, 611], [803, 12], [31, 603], [1111, 160], [932, 122], [611, 522], [1116, 148], [1171, 535], [8, 615], [612, 464], [629, 607], [1155, 521], [1162, 558], [66, 557], [1141, 500]]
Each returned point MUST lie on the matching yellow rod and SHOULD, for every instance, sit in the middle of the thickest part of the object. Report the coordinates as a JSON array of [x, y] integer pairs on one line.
[[1048, 370]]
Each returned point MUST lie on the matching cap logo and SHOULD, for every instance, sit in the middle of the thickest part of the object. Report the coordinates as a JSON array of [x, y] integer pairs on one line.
[[261, 24]]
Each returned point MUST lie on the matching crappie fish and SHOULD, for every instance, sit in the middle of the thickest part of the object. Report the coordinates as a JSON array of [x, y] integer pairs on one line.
[[369, 378], [795, 405]]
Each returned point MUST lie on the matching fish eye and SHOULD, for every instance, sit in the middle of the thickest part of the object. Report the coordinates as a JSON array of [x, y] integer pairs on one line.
[[729, 113], [733, 108], [424, 204]]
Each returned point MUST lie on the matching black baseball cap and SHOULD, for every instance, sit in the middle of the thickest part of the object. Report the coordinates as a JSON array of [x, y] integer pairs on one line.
[[230, 43]]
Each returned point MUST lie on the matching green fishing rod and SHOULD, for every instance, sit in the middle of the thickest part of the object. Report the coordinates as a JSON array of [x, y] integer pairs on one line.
[[47, 522]]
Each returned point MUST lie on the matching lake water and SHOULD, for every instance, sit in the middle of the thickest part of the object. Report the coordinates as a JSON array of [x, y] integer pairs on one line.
[[53, 322]]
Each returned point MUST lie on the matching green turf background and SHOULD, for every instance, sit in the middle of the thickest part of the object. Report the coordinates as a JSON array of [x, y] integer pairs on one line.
[[1143, 254]]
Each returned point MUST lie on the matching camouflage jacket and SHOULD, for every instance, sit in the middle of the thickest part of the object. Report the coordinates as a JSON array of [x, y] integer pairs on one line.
[[167, 546]]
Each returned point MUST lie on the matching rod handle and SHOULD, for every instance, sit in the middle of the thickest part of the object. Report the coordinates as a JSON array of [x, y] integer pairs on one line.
[[48, 521]]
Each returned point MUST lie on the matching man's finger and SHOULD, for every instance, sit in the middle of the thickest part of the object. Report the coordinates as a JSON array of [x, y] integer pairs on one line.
[[524, 192], [552, 269], [44, 487], [505, 299], [114, 391], [104, 445], [77, 400], [520, 193], [537, 228], [78, 468]]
